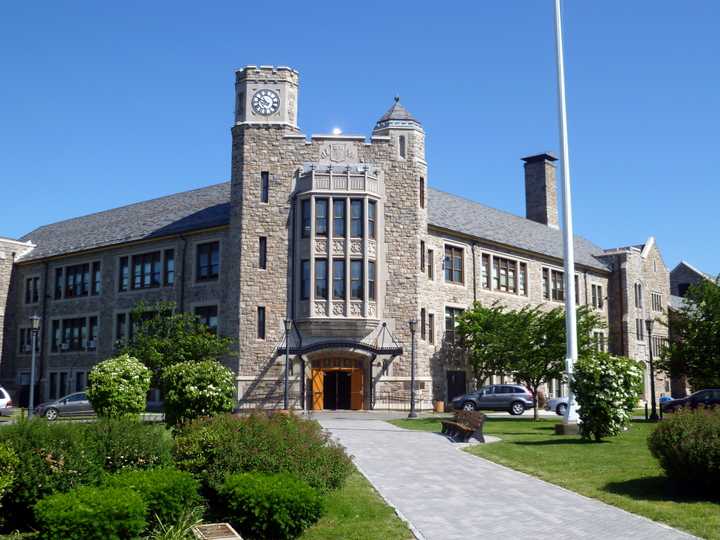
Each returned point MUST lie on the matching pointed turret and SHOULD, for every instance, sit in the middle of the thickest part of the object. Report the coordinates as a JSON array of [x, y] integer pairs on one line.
[[397, 117]]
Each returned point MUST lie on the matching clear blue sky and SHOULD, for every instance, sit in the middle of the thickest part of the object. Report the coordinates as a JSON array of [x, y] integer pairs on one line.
[[108, 103]]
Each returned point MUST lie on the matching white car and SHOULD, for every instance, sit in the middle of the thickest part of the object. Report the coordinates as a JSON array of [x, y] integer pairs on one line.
[[5, 402]]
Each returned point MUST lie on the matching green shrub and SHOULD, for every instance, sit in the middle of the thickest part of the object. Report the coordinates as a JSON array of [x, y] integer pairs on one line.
[[8, 465], [118, 387], [277, 506], [214, 447], [91, 513], [687, 445], [127, 443], [167, 492], [606, 388], [57, 457], [193, 389]]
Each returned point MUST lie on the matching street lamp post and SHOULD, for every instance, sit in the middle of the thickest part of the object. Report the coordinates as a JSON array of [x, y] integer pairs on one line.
[[288, 327], [413, 328], [653, 413], [35, 326]]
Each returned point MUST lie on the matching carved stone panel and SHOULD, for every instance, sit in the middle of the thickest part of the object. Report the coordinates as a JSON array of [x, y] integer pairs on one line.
[[356, 247], [338, 246], [372, 309], [356, 309], [321, 246], [321, 308], [338, 309], [338, 152], [372, 248]]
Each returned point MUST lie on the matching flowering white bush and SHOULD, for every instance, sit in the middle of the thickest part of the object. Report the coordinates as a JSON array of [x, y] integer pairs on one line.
[[606, 388], [193, 389], [118, 387]]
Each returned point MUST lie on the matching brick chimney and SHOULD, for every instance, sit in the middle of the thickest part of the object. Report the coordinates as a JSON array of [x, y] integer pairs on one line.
[[541, 202]]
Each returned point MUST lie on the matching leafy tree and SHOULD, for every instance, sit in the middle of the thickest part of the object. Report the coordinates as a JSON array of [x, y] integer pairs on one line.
[[606, 388], [528, 344], [694, 350], [194, 389], [163, 337], [118, 387]]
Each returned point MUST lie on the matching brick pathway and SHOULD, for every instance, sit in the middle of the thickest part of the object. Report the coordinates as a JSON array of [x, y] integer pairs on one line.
[[446, 493]]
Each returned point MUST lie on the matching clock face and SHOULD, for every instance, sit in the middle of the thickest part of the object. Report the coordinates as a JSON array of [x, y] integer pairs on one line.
[[265, 102]]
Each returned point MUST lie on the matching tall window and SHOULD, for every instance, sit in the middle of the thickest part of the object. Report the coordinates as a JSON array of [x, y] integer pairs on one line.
[[262, 252], [92, 333], [558, 285], [597, 296], [339, 279], [96, 279], [305, 218], [32, 290], [431, 328], [121, 327], [169, 268], [640, 329], [505, 275], [321, 217], [656, 299], [401, 146], [356, 217], [264, 186], [451, 315], [356, 279], [431, 264], [339, 227], [305, 280], [546, 283], [208, 315], [423, 330], [638, 296], [321, 279], [422, 192], [371, 280], [261, 322], [422, 255], [123, 274], [208, 261], [77, 280], [599, 339], [372, 219], [74, 334], [485, 271], [58, 283], [522, 279], [453, 264], [146, 270]]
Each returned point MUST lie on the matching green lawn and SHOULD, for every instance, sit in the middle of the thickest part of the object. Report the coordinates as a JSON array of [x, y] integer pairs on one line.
[[356, 512], [619, 471]]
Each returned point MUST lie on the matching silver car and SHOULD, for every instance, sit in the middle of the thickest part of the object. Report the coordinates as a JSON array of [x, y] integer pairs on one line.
[[76, 404], [559, 405], [513, 398]]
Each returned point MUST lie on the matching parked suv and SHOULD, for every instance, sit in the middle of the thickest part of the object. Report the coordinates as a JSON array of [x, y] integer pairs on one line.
[[710, 397], [513, 398], [75, 404]]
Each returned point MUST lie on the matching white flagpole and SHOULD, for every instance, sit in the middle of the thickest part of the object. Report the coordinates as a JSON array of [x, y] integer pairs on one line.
[[569, 248]]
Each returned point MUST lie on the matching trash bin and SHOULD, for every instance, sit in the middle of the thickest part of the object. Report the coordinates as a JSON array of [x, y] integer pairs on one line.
[[439, 406]]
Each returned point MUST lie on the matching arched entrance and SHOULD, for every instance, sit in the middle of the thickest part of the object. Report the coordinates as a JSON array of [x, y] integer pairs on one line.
[[337, 383]]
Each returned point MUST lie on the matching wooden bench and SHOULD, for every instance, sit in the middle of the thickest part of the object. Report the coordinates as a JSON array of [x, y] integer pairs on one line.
[[464, 426]]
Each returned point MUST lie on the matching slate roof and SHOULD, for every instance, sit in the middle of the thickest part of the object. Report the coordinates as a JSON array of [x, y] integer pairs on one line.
[[182, 212], [469, 217], [396, 112], [210, 207]]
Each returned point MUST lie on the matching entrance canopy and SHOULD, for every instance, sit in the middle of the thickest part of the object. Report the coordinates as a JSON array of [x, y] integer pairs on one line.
[[380, 343]]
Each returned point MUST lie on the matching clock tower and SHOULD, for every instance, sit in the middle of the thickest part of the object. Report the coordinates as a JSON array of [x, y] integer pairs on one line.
[[266, 95]]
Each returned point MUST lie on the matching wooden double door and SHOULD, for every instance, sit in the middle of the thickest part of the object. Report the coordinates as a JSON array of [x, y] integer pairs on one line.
[[337, 388]]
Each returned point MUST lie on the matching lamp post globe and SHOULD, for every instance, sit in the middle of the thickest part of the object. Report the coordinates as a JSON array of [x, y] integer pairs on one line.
[[413, 329]]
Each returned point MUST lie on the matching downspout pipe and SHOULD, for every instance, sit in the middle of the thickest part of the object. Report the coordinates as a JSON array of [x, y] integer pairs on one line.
[[474, 269]]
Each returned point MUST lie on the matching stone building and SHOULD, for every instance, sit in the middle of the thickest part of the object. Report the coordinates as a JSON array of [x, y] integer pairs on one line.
[[339, 234]]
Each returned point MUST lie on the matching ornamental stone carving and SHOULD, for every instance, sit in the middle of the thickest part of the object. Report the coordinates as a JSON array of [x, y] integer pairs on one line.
[[338, 309], [321, 308], [338, 152], [338, 246], [372, 309], [356, 247], [320, 246], [372, 248], [356, 309]]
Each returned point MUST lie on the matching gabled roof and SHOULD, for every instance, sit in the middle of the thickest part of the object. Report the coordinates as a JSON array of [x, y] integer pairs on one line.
[[690, 267], [182, 212], [474, 219]]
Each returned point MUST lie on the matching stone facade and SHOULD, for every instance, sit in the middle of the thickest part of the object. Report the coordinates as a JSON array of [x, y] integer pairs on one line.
[[299, 212]]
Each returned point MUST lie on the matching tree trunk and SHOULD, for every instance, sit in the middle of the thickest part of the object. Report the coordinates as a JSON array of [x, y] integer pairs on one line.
[[535, 403]]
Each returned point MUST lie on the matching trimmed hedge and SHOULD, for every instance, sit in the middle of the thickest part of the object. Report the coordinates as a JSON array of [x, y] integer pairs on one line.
[[118, 387], [277, 506], [167, 492], [687, 444], [57, 457], [213, 447], [91, 513]]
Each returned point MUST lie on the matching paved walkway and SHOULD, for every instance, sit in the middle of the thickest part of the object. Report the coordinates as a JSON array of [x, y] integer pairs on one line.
[[446, 493]]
